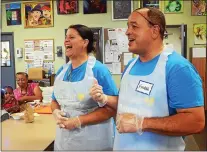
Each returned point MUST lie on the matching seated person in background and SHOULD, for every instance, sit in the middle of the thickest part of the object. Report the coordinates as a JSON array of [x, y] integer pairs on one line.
[[10, 104], [4, 113], [26, 92]]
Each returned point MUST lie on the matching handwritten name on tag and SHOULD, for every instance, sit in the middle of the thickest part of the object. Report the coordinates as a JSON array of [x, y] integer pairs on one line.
[[144, 87]]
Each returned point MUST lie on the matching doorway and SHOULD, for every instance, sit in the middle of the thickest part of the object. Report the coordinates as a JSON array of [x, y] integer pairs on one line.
[[7, 60]]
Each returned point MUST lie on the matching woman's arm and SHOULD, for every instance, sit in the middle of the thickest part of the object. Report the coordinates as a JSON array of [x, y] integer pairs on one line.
[[37, 95], [97, 116], [55, 105]]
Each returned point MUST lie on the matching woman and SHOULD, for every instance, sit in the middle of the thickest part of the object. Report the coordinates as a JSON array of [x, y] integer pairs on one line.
[[83, 123], [26, 92]]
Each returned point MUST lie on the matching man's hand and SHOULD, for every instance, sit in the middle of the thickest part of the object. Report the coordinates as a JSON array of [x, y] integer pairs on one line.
[[70, 124], [129, 123], [97, 94]]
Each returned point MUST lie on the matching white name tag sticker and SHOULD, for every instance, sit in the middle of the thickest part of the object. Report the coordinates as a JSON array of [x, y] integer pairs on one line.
[[144, 87]]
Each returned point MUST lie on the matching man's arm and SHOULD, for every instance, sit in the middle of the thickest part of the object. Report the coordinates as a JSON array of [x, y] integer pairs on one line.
[[185, 122]]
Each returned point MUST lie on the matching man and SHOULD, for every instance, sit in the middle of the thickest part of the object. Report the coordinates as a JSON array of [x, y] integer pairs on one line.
[[161, 96]]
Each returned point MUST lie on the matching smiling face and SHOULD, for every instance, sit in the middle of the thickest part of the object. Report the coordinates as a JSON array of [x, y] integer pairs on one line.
[[74, 44], [21, 80], [46, 13], [36, 15], [138, 33]]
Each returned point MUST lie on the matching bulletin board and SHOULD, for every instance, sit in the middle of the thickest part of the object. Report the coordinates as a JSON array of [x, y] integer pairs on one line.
[[39, 49], [116, 54]]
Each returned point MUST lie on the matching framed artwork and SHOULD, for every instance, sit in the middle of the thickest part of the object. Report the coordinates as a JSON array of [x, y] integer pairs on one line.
[[199, 7], [173, 6], [13, 14], [5, 54], [38, 14], [121, 9], [94, 6], [150, 3], [199, 33], [67, 7]]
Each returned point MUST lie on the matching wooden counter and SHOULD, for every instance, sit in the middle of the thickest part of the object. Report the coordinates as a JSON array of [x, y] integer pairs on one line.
[[18, 135]]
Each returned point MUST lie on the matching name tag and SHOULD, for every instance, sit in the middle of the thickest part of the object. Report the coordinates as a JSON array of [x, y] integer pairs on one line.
[[144, 87]]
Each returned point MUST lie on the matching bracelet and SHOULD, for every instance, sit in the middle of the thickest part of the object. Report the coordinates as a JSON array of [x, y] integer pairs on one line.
[[139, 131]]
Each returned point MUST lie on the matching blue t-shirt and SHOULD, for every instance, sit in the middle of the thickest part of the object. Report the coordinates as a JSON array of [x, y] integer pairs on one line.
[[184, 85], [101, 73]]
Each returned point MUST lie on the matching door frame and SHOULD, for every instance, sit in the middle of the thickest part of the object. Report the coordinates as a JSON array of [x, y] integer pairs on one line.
[[183, 37], [12, 47]]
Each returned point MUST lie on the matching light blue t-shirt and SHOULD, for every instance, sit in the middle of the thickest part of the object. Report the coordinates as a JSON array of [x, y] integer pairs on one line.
[[101, 73], [183, 83]]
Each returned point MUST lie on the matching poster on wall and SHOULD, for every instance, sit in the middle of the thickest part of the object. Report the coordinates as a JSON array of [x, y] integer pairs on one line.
[[173, 6], [150, 3], [13, 14], [38, 14], [39, 47], [5, 54], [67, 7], [121, 9], [199, 32], [94, 7], [199, 7]]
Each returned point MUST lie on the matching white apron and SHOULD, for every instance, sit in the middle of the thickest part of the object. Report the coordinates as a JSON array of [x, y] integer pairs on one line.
[[146, 96], [75, 100]]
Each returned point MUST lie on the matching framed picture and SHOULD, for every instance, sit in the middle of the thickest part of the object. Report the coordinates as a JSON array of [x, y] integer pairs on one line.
[[5, 54], [38, 14], [94, 6], [198, 7], [199, 33], [121, 9], [13, 14], [151, 3], [67, 7], [173, 6]]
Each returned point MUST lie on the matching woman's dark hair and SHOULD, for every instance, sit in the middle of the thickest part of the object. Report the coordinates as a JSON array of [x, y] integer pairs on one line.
[[22, 73], [86, 33]]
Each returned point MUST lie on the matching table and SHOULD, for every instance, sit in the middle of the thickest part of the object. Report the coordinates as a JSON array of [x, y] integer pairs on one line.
[[18, 135]]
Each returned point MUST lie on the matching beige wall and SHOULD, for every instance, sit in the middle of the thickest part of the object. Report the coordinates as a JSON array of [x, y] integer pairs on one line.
[[61, 22]]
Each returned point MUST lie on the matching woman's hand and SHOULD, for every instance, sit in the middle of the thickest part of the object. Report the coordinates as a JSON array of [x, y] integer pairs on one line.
[[59, 115], [97, 94], [70, 124], [22, 99]]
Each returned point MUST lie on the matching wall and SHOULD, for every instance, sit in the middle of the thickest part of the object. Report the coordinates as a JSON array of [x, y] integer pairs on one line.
[[61, 22]]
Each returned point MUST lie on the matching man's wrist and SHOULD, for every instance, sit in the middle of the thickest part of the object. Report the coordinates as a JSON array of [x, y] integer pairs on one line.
[[145, 124]]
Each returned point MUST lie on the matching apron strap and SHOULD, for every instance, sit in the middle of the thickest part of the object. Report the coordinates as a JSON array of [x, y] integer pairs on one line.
[[131, 65], [89, 68], [61, 75]]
